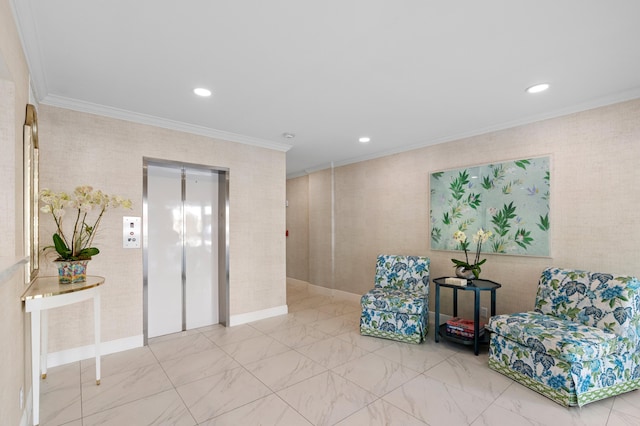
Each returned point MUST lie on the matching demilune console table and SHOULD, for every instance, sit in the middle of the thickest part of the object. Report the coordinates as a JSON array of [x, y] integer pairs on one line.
[[47, 293], [477, 286]]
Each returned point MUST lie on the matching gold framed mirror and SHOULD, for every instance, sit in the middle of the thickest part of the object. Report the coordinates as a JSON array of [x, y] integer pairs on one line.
[[31, 190]]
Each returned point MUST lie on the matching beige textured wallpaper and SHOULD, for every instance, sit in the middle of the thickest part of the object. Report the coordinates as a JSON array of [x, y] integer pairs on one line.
[[297, 220], [320, 245], [84, 149], [14, 96], [382, 205]]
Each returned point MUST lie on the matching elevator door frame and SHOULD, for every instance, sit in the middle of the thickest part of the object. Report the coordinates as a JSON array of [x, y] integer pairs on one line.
[[223, 236]]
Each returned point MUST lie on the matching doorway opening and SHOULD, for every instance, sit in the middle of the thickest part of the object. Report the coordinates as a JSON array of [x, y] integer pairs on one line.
[[185, 246]]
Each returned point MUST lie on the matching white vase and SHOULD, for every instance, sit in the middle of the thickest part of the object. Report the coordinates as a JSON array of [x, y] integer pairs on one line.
[[463, 272]]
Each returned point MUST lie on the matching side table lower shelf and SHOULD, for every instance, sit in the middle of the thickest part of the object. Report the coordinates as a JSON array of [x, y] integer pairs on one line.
[[442, 332]]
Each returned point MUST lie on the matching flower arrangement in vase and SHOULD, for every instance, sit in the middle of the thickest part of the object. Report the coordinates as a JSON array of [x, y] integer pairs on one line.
[[75, 248], [466, 269]]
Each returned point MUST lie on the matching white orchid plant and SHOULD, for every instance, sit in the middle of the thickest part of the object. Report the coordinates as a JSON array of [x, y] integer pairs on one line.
[[479, 238], [77, 245]]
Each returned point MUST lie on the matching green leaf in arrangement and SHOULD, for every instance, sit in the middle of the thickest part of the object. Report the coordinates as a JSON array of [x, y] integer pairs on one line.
[[474, 201], [88, 252], [436, 234], [446, 219], [498, 246], [523, 164], [523, 238], [61, 247], [501, 219], [487, 183], [544, 222], [457, 186]]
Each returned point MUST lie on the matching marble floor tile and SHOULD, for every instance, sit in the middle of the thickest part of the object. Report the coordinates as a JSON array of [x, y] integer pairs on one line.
[[164, 408], [221, 335], [419, 357], [299, 335], [309, 316], [267, 411], [368, 343], [180, 347], [254, 349], [60, 397], [117, 363], [311, 302], [212, 396], [294, 297], [309, 367], [532, 405], [628, 403], [198, 366], [332, 352], [172, 336], [380, 413], [376, 374], [470, 374], [122, 388], [618, 418], [280, 322], [285, 369], [339, 325], [436, 403], [340, 308], [72, 423], [498, 416], [326, 398]]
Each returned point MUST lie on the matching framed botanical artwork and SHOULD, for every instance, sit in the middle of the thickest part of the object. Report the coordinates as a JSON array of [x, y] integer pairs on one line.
[[31, 191], [510, 199]]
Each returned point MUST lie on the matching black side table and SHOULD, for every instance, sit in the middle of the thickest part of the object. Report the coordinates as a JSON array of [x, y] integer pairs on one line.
[[476, 285]]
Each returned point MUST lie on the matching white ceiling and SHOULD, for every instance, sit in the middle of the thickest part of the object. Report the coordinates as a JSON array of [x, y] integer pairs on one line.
[[406, 73]]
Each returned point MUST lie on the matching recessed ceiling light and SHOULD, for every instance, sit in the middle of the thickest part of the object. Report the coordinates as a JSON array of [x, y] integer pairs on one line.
[[201, 91], [288, 135], [364, 139], [538, 88]]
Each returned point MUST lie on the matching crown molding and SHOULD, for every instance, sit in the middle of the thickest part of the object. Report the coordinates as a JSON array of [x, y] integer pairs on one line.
[[121, 114], [585, 106], [28, 34]]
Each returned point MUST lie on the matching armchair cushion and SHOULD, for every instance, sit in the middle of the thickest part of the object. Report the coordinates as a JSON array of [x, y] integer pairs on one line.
[[562, 339], [392, 300]]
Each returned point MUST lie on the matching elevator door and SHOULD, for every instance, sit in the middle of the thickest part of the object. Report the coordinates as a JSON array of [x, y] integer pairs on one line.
[[182, 249]]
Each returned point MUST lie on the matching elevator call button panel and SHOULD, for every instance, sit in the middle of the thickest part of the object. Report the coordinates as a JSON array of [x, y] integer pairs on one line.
[[131, 232]]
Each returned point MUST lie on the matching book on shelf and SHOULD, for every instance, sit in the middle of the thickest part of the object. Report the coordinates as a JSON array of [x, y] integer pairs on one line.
[[463, 328]]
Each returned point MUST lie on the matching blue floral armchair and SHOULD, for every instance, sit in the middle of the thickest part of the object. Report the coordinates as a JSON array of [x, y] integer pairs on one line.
[[398, 306], [580, 344]]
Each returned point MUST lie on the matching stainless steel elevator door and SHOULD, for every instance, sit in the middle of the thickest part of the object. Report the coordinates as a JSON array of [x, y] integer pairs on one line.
[[182, 249]]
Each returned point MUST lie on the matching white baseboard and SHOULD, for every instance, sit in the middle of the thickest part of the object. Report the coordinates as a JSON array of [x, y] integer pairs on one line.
[[84, 352], [258, 315]]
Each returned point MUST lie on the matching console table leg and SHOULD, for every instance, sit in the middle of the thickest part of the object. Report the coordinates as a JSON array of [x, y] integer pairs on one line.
[[96, 324], [476, 322], [35, 364], [44, 339], [437, 315]]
